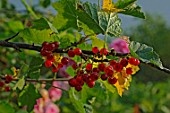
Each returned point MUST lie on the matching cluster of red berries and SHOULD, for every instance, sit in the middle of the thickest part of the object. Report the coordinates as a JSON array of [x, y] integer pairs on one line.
[[104, 71], [4, 85]]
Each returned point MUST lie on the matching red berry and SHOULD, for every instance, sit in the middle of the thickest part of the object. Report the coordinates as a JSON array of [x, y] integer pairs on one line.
[[85, 77], [78, 88], [54, 69], [50, 56], [77, 51], [56, 44], [118, 67], [94, 76], [48, 63], [112, 80], [95, 50], [64, 60], [91, 84], [89, 67], [79, 80], [96, 70], [45, 44], [44, 52], [60, 66], [8, 78], [104, 77], [74, 66], [112, 62], [129, 70], [72, 82], [2, 83], [109, 71], [80, 72], [101, 66], [71, 53], [103, 51], [50, 47], [134, 61], [7, 88], [124, 62]]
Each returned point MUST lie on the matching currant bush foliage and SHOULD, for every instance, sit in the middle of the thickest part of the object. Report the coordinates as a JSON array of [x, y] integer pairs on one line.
[[74, 42]]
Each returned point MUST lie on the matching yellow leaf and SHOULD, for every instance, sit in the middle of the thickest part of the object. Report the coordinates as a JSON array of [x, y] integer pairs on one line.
[[108, 6], [134, 68]]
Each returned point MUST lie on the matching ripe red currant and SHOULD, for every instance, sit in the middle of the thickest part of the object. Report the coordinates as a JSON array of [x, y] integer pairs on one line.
[[91, 84], [112, 80], [101, 66], [7, 88], [50, 56], [85, 77], [134, 61], [8, 78], [54, 69], [72, 82], [2, 83], [78, 88], [56, 44], [74, 66], [112, 62], [64, 60], [48, 63], [50, 47], [44, 52], [129, 70], [103, 51], [89, 67], [45, 44], [118, 67], [95, 50], [124, 62], [77, 51], [59, 65], [104, 77], [94, 76], [71, 53], [109, 71]]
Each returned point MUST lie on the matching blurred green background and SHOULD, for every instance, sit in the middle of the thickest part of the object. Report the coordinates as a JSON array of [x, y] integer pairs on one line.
[[149, 91]]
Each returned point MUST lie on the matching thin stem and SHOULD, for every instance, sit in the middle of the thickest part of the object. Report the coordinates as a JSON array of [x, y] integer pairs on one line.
[[29, 9]]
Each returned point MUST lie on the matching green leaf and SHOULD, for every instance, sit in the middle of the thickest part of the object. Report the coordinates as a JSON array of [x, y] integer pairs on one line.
[[70, 71], [96, 42], [20, 84], [36, 36], [28, 97], [34, 67], [15, 26], [130, 8], [108, 86], [21, 111], [6, 108], [66, 14], [45, 3], [145, 53], [99, 22], [23, 70], [42, 24]]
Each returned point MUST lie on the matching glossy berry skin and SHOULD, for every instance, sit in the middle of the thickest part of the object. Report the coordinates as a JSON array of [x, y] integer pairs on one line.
[[56, 44], [124, 62], [104, 77], [74, 66], [112, 62], [48, 63], [118, 67], [96, 70], [95, 50], [94, 76], [112, 80], [134, 61], [129, 70], [2, 83], [64, 60], [72, 82], [103, 51], [8, 78], [50, 57], [54, 69], [109, 71], [91, 84], [44, 52], [77, 51], [60, 66], [78, 88], [45, 44], [50, 47], [89, 67], [101, 67], [71, 53], [7, 89], [85, 77]]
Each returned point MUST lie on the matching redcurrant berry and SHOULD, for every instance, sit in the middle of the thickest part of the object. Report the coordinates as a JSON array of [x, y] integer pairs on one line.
[[112, 62], [74, 66], [101, 66], [7, 88], [124, 62], [45, 44], [8, 78], [95, 50], [103, 51], [71, 53], [54, 69], [56, 44], [112, 80], [91, 84], [48, 63], [50, 47], [64, 60], [104, 77], [118, 67], [78, 88], [72, 82], [77, 51], [2, 83], [129, 70], [89, 67]]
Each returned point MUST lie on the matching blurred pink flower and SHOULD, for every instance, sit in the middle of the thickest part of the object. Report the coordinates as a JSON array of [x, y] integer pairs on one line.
[[43, 106], [119, 45], [55, 94]]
